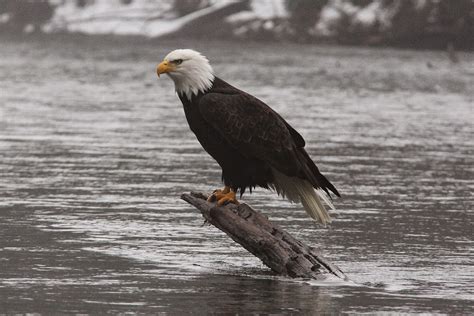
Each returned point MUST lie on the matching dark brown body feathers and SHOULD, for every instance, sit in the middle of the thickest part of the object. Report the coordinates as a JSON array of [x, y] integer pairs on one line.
[[248, 139]]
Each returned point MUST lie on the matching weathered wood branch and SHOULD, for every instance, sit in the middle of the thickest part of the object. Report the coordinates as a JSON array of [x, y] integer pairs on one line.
[[277, 249]]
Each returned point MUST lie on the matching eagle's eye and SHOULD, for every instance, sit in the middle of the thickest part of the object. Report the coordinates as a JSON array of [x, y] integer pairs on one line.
[[177, 61]]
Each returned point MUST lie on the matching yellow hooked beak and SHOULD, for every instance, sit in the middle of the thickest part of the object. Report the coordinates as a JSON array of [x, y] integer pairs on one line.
[[164, 67]]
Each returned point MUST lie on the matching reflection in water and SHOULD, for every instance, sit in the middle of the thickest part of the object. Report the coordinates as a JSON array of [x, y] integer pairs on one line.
[[95, 151]]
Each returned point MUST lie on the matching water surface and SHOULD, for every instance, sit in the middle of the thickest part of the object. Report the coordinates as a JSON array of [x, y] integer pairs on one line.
[[95, 152]]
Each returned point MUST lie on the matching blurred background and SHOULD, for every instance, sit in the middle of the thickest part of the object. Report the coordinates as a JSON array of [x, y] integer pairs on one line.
[[440, 24]]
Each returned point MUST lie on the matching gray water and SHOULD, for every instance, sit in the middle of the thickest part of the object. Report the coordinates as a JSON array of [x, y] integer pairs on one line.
[[95, 152]]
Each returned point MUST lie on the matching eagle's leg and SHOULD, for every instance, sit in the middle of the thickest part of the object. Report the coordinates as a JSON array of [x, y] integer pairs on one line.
[[224, 196]]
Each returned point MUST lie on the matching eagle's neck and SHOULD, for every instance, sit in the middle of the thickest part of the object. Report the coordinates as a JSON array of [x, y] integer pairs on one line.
[[193, 80]]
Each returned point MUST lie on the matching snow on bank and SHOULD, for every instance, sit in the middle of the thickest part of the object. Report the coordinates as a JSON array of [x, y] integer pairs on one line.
[[109, 17], [142, 17], [337, 10]]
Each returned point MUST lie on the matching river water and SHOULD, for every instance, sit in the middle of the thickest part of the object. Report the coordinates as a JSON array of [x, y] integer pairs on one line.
[[95, 152]]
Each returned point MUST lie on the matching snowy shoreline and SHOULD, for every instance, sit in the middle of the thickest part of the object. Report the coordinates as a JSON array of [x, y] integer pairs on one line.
[[337, 21]]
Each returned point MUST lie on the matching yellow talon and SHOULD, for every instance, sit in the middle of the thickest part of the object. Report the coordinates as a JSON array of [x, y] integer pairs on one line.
[[224, 196], [227, 198], [218, 194]]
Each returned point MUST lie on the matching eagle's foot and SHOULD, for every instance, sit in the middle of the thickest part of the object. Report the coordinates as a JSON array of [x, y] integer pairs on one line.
[[218, 194], [228, 198], [223, 197]]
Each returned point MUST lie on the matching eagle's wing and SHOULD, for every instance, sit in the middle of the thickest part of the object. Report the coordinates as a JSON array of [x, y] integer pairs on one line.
[[253, 128]]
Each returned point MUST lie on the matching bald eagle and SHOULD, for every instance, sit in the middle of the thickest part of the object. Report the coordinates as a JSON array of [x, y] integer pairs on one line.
[[252, 143]]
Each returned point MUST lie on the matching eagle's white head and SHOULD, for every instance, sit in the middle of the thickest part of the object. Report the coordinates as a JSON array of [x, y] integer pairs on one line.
[[190, 71]]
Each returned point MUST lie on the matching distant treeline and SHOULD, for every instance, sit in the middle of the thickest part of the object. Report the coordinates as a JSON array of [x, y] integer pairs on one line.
[[410, 23], [415, 23]]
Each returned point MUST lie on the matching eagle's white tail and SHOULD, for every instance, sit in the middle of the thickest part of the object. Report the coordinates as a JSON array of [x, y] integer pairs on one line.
[[299, 190]]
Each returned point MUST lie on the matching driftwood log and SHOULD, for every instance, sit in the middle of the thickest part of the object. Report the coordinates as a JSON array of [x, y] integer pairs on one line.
[[277, 249]]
